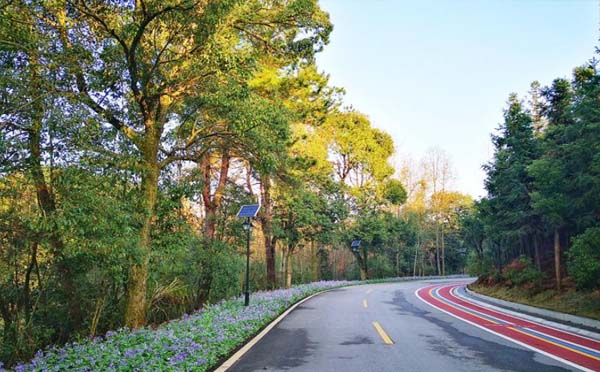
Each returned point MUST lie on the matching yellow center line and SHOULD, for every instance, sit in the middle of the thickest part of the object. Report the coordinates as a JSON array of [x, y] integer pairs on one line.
[[365, 305], [384, 336]]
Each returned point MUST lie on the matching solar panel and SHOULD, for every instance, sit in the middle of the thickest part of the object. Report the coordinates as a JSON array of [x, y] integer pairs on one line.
[[355, 244], [248, 211]]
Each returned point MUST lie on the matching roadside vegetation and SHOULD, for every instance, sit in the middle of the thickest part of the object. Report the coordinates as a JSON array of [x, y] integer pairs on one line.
[[585, 304], [196, 342], [536, 235], [132, 131]]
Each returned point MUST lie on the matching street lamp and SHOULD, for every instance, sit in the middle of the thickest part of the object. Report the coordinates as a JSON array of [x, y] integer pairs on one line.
[[247, 212], [247, 225], [355, 245]]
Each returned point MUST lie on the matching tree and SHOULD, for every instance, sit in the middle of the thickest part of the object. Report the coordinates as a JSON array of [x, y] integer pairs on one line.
[[565, 177], [359, 153], [438, 172], [394, 192], [446, 210], [137, 68], [509, 184], [543, 186], [306, 97]]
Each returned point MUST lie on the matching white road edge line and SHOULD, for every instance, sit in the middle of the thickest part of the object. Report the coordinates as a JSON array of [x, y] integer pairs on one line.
[[506, 337], [238, 355]]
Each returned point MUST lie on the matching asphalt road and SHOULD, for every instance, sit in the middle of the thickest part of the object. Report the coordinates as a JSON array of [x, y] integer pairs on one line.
[[385, 327]]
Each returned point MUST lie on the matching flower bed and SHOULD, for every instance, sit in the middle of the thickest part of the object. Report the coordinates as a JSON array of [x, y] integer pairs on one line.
[[195, 342]]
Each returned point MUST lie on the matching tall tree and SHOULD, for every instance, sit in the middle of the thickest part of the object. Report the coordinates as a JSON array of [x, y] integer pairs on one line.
[[438, 172], [137, 66], [508, 182], [304, 93]]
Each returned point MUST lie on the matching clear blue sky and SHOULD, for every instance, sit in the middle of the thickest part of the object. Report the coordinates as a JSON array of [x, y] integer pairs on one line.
[[438, 73]]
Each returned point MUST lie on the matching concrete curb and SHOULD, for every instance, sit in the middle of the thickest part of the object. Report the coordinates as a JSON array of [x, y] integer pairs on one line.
[[570, 323]]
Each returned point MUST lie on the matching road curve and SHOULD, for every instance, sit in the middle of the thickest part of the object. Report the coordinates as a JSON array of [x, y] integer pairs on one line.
[[412, 326], [569, 348]]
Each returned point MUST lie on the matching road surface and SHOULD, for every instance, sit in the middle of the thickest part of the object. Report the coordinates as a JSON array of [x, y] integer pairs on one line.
[[413, 326]]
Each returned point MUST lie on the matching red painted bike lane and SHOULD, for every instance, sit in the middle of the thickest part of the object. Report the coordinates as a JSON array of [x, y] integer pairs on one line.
[[572, 349]]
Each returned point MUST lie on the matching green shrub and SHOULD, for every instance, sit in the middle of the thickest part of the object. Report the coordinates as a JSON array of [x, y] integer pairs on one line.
[[479, 267], [584, 259], [521, 271], [380, 267]]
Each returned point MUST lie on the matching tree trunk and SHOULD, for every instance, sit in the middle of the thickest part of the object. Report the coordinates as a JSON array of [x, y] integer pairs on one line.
[[536, 248], [443, 244], [366, 257], [47, 204], [213, 202], [437, 250], [363, 273], [289, 267], [557, 259], [8, 338], [266, 220], [135, 309], [416, 254], [314, 262]]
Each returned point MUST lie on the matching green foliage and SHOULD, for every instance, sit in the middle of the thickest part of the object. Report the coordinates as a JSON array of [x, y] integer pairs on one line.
[[381, 267], [394, 192], [543, 188], [478, 266], [584, 259], [508, 182], [521, 271]]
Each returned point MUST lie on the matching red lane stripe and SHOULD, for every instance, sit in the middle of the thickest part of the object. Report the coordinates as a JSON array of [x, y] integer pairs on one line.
[[447, 294], [583, 341], [549, 334], [572, 356]]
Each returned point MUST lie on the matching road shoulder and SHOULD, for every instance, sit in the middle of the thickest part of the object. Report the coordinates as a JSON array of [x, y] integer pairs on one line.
[[571, 323]]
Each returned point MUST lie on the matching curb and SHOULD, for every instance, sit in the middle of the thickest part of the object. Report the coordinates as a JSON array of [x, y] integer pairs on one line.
[[235, 357], [571, 323]]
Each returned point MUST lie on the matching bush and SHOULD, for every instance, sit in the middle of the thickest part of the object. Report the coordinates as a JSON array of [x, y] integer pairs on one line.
[[584, 259], [521, 271], [380, 267], [479, 267]]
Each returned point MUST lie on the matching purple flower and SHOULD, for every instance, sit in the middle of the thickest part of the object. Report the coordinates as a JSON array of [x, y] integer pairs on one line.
[[207, 334]]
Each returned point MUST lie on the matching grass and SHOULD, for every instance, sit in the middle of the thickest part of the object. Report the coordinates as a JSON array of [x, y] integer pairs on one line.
[[585, 304]]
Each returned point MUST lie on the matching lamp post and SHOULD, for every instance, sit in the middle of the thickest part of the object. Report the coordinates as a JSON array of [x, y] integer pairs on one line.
[[247, 225], [355, 245], [248, 212]]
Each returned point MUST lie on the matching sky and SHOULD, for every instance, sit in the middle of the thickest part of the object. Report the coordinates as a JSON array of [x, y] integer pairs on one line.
[[438, 73]]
